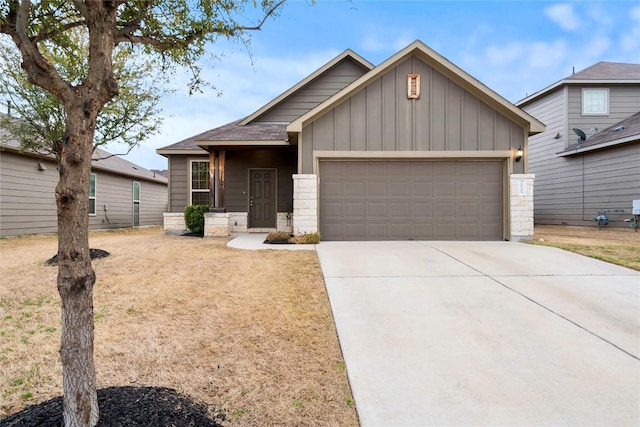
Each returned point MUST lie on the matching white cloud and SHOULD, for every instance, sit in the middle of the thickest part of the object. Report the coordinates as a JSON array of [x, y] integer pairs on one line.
[[504, 55], [544, 55], [563, 15], [630, 41]]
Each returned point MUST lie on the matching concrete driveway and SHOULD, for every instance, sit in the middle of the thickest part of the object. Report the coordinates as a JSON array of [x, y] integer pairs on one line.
[[491, 333]]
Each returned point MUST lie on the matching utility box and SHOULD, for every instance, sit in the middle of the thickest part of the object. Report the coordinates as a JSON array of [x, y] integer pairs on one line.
[[636, 207]]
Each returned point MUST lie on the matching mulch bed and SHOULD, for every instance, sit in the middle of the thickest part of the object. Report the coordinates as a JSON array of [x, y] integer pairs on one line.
[[93, 253], [126, 406]]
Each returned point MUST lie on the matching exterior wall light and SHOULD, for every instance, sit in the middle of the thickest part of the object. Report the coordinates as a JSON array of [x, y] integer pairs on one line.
[[519, 153]]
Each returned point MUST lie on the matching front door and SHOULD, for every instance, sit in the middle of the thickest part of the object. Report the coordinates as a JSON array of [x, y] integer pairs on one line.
[[262, 198]]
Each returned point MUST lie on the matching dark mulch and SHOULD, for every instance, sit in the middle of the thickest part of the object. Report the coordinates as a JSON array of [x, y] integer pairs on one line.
[[278, 242], [126, 406], [190, 234], [93, 253]]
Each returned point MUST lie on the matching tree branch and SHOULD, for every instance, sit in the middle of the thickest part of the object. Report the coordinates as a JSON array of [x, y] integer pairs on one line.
[[46, 36], [40, 71], [264, 19]]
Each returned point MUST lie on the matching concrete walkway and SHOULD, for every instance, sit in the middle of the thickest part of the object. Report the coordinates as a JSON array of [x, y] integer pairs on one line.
[[255, 242], [492, 333]]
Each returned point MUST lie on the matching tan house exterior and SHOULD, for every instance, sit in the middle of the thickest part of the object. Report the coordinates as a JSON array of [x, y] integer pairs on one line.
[[122, 193], [576, 179], [414, 148]]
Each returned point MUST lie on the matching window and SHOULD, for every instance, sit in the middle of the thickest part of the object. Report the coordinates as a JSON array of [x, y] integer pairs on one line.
[[92, 194], [595, 101], [200, 181], [136, 204]]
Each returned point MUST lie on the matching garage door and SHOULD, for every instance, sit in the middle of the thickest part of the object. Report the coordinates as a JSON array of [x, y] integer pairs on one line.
[[421, 200]]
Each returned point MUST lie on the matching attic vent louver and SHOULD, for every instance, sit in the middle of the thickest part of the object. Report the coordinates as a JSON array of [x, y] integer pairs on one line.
[[413, 86]]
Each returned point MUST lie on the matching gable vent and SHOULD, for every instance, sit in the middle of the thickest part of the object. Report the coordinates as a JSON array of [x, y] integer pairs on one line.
[[413, 86]]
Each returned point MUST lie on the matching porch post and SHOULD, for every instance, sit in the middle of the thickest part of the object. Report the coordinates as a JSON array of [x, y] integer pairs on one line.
[[212, 180], [221, 160]]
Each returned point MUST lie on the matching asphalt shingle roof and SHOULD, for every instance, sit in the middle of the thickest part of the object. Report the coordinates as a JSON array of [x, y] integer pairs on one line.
[[608, 71], [234, 131], [623, 130], [101, 160]]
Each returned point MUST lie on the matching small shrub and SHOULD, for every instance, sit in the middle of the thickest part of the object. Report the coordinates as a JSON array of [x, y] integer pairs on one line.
[[306, 239], [277, 236], [194, 218]]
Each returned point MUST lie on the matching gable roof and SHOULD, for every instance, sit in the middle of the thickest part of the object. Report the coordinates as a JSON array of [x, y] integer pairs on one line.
[[348, 53], [625, 131], [248, 132], [101, 160], [605, 73], [439, 63]]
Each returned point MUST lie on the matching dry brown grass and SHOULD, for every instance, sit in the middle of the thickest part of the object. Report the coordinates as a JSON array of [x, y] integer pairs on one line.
[[619, 246], [250, 333]]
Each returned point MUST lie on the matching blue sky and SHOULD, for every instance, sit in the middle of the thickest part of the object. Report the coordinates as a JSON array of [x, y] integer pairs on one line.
[[514, 47]]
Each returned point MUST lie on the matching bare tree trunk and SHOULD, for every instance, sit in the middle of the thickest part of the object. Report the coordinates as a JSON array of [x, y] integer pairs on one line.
[[75, 273]]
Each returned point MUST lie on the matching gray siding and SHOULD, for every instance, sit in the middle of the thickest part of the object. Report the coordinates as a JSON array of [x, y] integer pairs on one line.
[[581, 185], [314, 93], [381, 118], [237, 165], [179, 182], [116, 191], [27, 198], [27, 195], [623, 102], [237, 168], [572, 189]]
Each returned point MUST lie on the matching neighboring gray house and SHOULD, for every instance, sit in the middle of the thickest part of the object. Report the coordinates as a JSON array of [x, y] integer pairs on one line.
[[575, 178], [122, 194], [414, 148]]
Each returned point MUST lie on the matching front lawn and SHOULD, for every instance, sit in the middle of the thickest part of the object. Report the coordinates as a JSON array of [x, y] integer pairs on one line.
[[248, 333]]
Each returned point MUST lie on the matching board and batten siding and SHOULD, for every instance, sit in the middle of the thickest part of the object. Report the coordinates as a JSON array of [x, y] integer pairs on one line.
[[624, 101], [28, 205], [324, 86], [381, 118]]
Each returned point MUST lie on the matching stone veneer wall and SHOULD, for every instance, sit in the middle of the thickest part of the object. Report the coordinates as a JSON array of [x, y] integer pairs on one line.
[[173, 223], [216, 224], [521, 206], [305, 203]]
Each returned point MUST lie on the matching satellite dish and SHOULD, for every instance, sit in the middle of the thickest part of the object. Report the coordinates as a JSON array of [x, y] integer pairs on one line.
[[581, 135]]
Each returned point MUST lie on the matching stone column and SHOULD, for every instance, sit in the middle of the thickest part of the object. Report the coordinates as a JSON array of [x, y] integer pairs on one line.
[[305, 203], [521, 207], [216, 224]]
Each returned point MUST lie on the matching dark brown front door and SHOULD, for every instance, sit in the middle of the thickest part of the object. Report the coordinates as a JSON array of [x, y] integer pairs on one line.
[[262, 198]]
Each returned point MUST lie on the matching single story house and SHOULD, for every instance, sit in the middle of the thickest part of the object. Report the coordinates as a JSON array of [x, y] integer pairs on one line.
[[414, 148], [122, 194], [588, 160]]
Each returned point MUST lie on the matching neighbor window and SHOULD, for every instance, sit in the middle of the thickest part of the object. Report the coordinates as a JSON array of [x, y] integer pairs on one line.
[[595, 101], [92, 194], [200, 182]]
